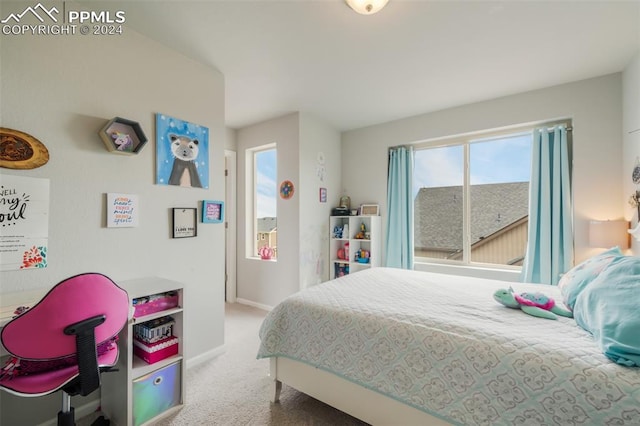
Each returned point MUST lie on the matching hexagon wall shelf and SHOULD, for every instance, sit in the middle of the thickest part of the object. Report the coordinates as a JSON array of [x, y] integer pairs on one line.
[[123, 136]]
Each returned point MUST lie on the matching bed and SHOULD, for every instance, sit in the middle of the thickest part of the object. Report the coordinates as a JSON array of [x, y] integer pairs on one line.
[[391, 346]]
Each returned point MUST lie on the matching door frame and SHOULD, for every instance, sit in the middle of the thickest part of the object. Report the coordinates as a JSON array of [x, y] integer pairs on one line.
[[230, 160]]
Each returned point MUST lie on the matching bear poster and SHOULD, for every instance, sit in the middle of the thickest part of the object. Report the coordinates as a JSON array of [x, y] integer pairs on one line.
[[182, 151]]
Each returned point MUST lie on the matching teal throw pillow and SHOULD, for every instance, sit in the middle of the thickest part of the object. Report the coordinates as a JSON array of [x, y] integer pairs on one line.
[[609, 309], [574, 281]]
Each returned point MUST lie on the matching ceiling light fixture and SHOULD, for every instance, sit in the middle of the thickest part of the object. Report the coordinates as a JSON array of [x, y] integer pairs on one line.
[[366, 7]]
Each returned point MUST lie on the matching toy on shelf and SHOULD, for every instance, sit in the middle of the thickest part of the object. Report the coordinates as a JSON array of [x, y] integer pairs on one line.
[[265, 252], [123, 141], [341, 232], [342, 269], [363, 256], [362, 234], [343, 254]]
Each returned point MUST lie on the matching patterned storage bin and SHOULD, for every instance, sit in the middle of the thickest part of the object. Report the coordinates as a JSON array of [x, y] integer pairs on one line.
[[154, 330], [154, 352], [155, 303]]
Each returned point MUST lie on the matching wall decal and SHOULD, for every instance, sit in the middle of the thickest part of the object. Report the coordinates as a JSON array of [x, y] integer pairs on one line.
[[321, 170]]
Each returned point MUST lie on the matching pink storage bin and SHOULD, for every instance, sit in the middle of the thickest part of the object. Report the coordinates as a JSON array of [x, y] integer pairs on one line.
[[155, 303]]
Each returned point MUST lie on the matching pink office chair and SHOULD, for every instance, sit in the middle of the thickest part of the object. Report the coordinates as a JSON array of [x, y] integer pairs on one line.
[[62, 332]]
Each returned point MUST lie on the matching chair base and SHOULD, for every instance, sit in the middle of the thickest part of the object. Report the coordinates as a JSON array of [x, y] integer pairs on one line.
[[67, 418], [101, 421]]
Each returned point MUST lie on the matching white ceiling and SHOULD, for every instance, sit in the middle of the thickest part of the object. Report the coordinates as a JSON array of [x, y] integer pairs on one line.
[[413, 57]]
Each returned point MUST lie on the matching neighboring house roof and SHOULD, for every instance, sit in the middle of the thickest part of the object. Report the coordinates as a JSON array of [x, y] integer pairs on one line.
[[438, 213], [267, 224]]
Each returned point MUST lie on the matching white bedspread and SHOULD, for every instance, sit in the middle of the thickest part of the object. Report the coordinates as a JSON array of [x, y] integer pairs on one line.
[[441, 343]]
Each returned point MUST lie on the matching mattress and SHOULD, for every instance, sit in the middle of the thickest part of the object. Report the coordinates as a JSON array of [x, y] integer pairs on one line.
[[440, 343]]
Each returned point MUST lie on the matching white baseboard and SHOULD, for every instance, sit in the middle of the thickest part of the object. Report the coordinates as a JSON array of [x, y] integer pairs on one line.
[[80, 412], [254, 304], [207, 356]]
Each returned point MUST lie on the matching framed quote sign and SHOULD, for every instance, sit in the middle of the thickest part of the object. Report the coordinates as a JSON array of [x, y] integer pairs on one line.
[[184, 222], [212, 211], [369, 209]]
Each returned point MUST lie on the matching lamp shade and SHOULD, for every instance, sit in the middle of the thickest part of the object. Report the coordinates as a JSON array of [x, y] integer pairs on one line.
[[367, 7], [609, 233]]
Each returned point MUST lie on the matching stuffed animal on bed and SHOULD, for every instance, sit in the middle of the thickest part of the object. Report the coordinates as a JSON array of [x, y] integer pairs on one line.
[[536, 304]]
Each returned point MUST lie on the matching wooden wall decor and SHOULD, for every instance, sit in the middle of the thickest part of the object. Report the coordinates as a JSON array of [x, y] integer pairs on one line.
[[19, 150]]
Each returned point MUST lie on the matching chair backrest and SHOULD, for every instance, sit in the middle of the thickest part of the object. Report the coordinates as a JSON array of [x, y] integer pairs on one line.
[[38, 334]]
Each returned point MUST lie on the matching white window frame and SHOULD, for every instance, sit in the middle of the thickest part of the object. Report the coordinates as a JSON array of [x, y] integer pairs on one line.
[[465, 140], [251, 197]]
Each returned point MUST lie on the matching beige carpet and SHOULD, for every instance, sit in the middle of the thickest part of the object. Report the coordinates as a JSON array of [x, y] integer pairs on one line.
[[233, 389]]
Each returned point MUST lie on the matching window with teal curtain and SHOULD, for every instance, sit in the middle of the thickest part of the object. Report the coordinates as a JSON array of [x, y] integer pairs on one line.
[[399, 235], [550, 234]]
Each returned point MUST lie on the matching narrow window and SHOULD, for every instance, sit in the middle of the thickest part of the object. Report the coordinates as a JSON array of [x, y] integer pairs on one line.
[[262, 207]]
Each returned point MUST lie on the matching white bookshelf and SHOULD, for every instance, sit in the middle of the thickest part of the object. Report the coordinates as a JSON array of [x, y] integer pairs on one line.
[[371, 243], [120, 401]]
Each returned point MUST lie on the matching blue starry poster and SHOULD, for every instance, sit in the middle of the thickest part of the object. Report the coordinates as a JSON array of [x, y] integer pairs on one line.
[[182, 153]]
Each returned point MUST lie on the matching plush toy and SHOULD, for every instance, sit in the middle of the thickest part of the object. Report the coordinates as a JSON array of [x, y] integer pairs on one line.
[[536, 304], [123, 141]]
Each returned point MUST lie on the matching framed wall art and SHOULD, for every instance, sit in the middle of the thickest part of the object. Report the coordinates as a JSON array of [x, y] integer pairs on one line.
[[24, 215], [212, 211], [184, 222], [286, 190], [323, 195], [123, 136], [182, 156], [369, 209], [122, 210]]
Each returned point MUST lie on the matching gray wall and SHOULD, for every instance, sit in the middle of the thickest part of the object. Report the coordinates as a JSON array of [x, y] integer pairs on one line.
[[266, 283], [317, 140], [302, 220], [62, 90]]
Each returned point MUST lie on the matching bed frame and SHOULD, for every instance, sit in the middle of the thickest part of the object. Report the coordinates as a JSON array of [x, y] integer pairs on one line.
[[355, 400]]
